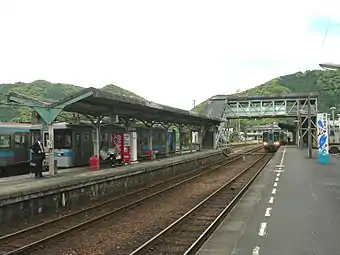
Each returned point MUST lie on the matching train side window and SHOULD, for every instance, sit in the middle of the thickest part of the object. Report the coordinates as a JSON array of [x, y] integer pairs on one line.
[[17, 139], [68, 141], [5, 141], [62, 139], [58, 141], [23, 139]]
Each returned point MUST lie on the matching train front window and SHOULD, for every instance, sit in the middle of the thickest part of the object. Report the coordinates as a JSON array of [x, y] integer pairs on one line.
[[265, 136], [62, 139], [5, 141], [270, 137]]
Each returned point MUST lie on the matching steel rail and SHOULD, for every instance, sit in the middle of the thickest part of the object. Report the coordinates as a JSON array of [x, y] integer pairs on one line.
[[146, 246], [207, 233]]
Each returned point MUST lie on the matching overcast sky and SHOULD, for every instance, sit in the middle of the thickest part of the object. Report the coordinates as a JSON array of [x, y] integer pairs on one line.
[[170, 52]]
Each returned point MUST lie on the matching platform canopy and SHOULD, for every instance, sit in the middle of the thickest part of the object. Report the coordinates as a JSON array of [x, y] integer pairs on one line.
[[94, 102]]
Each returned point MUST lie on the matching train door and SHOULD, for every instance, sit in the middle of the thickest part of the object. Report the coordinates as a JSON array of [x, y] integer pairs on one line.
[[26, 144], [265, 137], [276, 136], [34, 134], [20, 150], [87, 146], [78, 149]]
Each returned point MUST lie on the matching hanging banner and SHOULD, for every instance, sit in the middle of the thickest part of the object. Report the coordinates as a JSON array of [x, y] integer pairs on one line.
[[323, 146]]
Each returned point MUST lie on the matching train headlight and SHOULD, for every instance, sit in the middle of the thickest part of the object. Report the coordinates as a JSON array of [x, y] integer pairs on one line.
[[276, 143], [265, 143]]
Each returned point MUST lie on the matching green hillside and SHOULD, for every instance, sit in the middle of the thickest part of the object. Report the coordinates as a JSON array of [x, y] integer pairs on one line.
[[326, 83], [43, 90]]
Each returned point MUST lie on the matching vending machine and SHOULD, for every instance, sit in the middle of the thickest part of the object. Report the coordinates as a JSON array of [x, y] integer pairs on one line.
[[122, 145]]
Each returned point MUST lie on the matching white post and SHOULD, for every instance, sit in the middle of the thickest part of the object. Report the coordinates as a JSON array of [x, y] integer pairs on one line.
[[133, 137], [97, 139], [190, 141], [150, 142], [166, 142], [214, 135], [52, 170]]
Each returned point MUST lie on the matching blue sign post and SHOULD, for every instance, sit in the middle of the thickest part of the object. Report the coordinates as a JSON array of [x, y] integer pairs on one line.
[[323, 145]]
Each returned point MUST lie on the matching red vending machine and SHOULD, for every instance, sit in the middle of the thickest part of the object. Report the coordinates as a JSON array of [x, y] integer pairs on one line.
[[122, 144]]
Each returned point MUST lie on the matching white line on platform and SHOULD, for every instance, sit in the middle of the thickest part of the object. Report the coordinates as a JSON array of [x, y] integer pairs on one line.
[[263, 228], [271, 200], [268, 210], [275, 184], [277, 179], [274, 191], [279, 171], [256, 250], [278, 175], [283, 156]]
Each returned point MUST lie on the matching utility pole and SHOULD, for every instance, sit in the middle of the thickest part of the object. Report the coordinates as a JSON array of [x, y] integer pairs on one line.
[[333, 117], [310, 145]]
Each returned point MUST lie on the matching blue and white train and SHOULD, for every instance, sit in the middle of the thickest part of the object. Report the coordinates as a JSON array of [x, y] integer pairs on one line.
[[14, 143], [73, 143]]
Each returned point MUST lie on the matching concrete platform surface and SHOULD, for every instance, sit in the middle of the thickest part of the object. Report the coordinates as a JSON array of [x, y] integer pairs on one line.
[[25, 184], [292, 210]]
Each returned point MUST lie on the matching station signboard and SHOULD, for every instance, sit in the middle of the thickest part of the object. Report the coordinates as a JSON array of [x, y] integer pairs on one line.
[[323, 145]]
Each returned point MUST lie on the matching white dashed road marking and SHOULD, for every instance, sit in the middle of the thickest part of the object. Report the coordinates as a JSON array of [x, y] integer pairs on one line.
[[263, 229], [256, 250], [268, 211]]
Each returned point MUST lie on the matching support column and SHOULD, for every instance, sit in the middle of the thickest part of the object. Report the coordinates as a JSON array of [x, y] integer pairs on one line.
[[200, 139], [309, 133], [133, 137], [214, 138], [150, 142], [167, 142], [97, 147], [300, 138], [190, 140], [51, 166], [180, 138]]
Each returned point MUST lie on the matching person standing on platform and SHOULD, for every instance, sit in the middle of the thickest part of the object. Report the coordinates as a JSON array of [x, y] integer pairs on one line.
[[38, 157]]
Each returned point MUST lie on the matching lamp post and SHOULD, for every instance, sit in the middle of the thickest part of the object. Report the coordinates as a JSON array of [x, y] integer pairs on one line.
[[333, 117], [309, 133]]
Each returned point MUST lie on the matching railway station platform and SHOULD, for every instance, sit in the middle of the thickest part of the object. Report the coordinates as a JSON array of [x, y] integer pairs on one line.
[[292, 208], [24, 196]]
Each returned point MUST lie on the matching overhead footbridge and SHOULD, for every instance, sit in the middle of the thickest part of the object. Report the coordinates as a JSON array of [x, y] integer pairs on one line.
[[288, 105]]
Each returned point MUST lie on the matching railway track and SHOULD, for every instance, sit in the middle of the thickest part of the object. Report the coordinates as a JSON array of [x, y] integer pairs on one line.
[[187, 234], [29, 239]]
